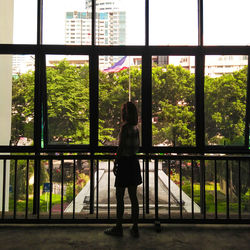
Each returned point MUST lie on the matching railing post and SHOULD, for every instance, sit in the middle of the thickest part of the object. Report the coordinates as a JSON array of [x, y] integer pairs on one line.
[[92, 186], [202, 187], [36, 197], [147, 183]]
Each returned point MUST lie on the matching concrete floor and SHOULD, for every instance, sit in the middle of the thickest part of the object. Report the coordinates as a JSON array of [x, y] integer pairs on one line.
[[92, 237]]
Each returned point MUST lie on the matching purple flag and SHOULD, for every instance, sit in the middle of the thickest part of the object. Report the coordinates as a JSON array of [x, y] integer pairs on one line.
[[117, 66]]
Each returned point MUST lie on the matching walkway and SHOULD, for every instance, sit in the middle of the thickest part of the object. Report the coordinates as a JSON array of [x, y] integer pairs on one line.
[[91, 237]]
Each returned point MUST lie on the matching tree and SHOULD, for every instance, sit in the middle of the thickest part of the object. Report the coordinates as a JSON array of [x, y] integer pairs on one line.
[[113, 92], [173, 106], [225, 107], [22, 107]]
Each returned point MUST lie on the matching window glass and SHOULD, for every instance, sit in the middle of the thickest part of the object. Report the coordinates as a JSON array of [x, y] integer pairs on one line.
[[173, 22], [17, 99], [225, 99], [18, 21], [173, 100], [118, 17], [67, 99], [119, 82], [226, 22], [63, 18]]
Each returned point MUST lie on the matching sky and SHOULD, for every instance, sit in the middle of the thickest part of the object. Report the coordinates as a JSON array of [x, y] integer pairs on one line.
[[172, 22]]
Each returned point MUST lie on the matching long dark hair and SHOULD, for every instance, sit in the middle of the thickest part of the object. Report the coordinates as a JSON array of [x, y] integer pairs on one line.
[[129, 113]]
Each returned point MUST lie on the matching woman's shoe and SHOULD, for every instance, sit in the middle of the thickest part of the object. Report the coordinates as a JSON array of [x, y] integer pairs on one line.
[[114, 231], [134, 232]]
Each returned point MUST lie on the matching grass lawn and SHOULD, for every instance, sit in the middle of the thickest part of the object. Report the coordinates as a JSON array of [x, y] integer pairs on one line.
[[210, 198], [21, 204]]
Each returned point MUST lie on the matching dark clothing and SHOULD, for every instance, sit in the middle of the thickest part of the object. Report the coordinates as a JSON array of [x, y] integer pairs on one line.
[[128, 140], [128, 172], [120, 204]]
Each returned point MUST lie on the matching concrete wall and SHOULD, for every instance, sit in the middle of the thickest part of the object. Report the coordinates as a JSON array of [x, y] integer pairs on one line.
[[6, 36]]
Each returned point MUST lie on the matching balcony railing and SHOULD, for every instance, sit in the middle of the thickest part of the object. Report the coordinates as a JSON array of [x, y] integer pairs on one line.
[[80, 189]]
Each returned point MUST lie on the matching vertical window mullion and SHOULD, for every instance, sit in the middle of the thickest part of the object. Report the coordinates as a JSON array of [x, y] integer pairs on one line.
[[247, 105], [93, 98], [146, 90], [39, 21], [200, 22], [146, 22], [93, 21], [44, 102], [199, 102], [93, 86]]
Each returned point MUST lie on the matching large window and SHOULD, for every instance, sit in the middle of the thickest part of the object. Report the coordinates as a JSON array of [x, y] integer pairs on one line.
[[226, 22], [66, 22], [17, 81], [225, 99], [117, 85], [18, 22], [67, 99], [173, 101], [181, 68], [173, 22]]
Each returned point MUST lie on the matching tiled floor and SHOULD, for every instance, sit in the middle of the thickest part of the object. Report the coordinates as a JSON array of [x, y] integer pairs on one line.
[[92, 237]]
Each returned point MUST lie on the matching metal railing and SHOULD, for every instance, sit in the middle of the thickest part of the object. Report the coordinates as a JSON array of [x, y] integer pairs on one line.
[[80, 189]]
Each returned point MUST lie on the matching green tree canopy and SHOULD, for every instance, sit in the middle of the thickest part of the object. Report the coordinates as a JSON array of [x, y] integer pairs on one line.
[[173, 104]]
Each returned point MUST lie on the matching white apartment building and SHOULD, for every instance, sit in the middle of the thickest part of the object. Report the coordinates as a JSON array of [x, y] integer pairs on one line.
[[103, 5], [215, 66], [110, 27], [22, 64]]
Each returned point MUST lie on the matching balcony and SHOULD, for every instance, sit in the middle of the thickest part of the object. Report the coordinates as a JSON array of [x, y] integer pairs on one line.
[[80, 189]]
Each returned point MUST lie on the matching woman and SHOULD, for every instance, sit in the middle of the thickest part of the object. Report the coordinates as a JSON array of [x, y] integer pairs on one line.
[[127, 169]]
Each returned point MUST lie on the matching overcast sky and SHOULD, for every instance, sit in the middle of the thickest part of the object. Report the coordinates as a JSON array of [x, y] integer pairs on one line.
[[172, 22]]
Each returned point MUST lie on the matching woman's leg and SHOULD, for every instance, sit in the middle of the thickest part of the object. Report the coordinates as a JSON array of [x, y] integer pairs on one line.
[[132, 190], [120, 205]]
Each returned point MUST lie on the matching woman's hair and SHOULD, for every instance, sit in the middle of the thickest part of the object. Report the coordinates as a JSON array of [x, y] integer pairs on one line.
[[129, 113]]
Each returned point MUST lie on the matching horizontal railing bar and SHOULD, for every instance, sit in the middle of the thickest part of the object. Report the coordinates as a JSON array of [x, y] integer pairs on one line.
[[108, 221], [64, 148], [107, 157]]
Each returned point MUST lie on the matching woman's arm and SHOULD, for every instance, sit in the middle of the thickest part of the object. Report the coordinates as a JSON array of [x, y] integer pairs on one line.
[[122, 137]]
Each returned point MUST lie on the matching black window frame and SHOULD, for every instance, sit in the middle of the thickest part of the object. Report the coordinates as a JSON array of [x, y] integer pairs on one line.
[[146, 52]]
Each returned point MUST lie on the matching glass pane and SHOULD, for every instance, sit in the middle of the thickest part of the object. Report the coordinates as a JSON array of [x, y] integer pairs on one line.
[[17, 97], [116, 86], [18, 21], [225, 99], [226, 22], [66, 22], [173, 96], [68, 99], [116, 24], [173, 22]]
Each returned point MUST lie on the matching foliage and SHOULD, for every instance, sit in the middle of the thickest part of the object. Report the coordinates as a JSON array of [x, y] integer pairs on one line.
[[173, 105], [225, 108], [21, 204], [21, 172], [22, 107], [81, 181]]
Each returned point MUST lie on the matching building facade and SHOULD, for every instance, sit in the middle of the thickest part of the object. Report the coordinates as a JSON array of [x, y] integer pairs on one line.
[[110, 27]]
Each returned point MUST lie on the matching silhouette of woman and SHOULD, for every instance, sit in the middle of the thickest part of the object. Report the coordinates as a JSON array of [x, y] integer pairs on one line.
[[127, 169]]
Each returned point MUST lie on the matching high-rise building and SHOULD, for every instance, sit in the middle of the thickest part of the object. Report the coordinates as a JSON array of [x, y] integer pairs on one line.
[[103, 5], [110, 27]]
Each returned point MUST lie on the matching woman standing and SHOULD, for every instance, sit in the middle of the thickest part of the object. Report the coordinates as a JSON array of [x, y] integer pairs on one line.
[[127, 169]]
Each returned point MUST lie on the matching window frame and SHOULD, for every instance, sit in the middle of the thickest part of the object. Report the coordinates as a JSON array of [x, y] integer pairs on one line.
[[146, 52]]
